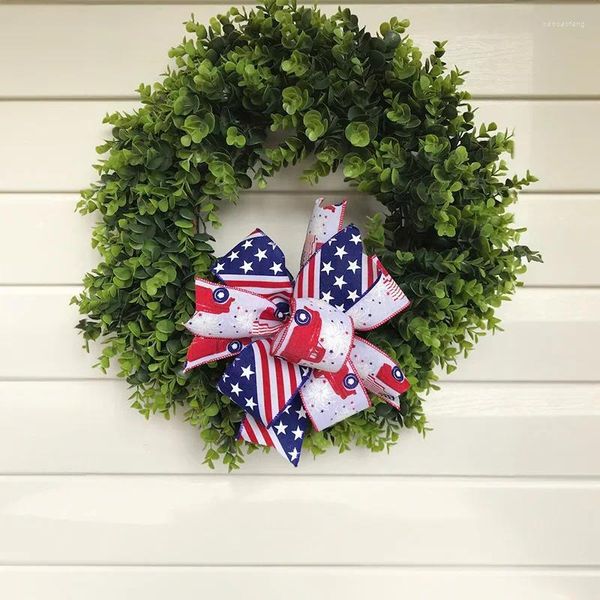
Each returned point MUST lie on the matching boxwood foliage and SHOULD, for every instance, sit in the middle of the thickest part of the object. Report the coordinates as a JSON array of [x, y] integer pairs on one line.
[[399, 127]]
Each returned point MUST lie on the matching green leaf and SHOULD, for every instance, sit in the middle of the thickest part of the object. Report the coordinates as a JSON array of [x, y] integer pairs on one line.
[[165, 326], [358, 134], [235, 138], [294, 99], [399, 114], [123, 273], [354, 166], [185, 104], [315, 125], [197, 127], [297, 64]]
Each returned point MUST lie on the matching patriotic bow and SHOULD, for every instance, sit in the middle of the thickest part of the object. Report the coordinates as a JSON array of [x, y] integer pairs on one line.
[[298, 360]]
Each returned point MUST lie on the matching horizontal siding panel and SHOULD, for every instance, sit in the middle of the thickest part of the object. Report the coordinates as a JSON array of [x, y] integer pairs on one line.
[[49, 146], [478, 429], [39, 223], [350, 583], [35, 226], [275, 520], [509, 49], [550, 334]]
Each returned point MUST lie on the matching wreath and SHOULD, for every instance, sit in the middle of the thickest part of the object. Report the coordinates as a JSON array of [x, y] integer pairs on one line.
[[248, 95]]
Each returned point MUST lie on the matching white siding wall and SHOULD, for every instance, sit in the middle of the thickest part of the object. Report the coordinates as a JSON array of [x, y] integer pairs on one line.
[[501, 501]]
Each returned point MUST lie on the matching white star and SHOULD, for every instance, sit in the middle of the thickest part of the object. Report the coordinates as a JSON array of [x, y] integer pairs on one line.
[[236, 389], [298, 433], [353, 266], [250, 403], [340, 251], [280, 428], [272, 244], [327, 297], [233, 256], [219, 267], [339, 306], [247, 372], [247, 244], [286, 410], [327, 267], [293, 454], [225, 376], [352, 295], [301, 413], [355, 239], [339, 282], [247, 266], [260, 254], [276, 268]]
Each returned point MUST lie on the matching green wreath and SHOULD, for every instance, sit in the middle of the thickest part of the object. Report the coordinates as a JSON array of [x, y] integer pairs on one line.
[[398, 126]]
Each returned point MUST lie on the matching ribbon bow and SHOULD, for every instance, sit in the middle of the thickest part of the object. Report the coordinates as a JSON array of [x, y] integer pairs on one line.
[[298, 360]]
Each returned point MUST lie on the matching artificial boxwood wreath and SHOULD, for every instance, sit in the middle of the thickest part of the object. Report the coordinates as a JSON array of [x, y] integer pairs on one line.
[[398, 126]]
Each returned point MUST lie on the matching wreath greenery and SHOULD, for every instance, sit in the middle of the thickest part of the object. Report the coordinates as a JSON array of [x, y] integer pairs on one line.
[[399, 127]]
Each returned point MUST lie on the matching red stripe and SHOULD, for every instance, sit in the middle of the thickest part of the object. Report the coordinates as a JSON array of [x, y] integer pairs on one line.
[[300, 284], [264, 432], [266, 380], [280, 393], [261, 429], [311, 278], [248, 431]]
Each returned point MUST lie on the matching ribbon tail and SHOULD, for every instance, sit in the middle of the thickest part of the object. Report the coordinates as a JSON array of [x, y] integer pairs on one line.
[[203, 350], [286, 434], [326, 220], [229, 312], [332, 397], [262, 384], [379, 373]]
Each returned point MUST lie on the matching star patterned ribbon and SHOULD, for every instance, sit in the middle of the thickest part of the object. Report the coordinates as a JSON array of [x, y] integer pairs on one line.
[[298, 361]]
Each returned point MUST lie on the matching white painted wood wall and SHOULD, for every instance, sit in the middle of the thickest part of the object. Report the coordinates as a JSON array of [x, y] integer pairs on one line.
[[500, 502]]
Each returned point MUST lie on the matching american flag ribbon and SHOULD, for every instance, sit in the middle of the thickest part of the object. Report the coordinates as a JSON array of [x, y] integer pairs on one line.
[[297, 362], [286, 433], [334, 273], [256, 265], [260, 383]]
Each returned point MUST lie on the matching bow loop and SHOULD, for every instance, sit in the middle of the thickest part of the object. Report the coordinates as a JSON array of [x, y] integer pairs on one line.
[[232, 313], [257, 265], [379, 373], [203, 350], [332, 397], [316, 335]]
